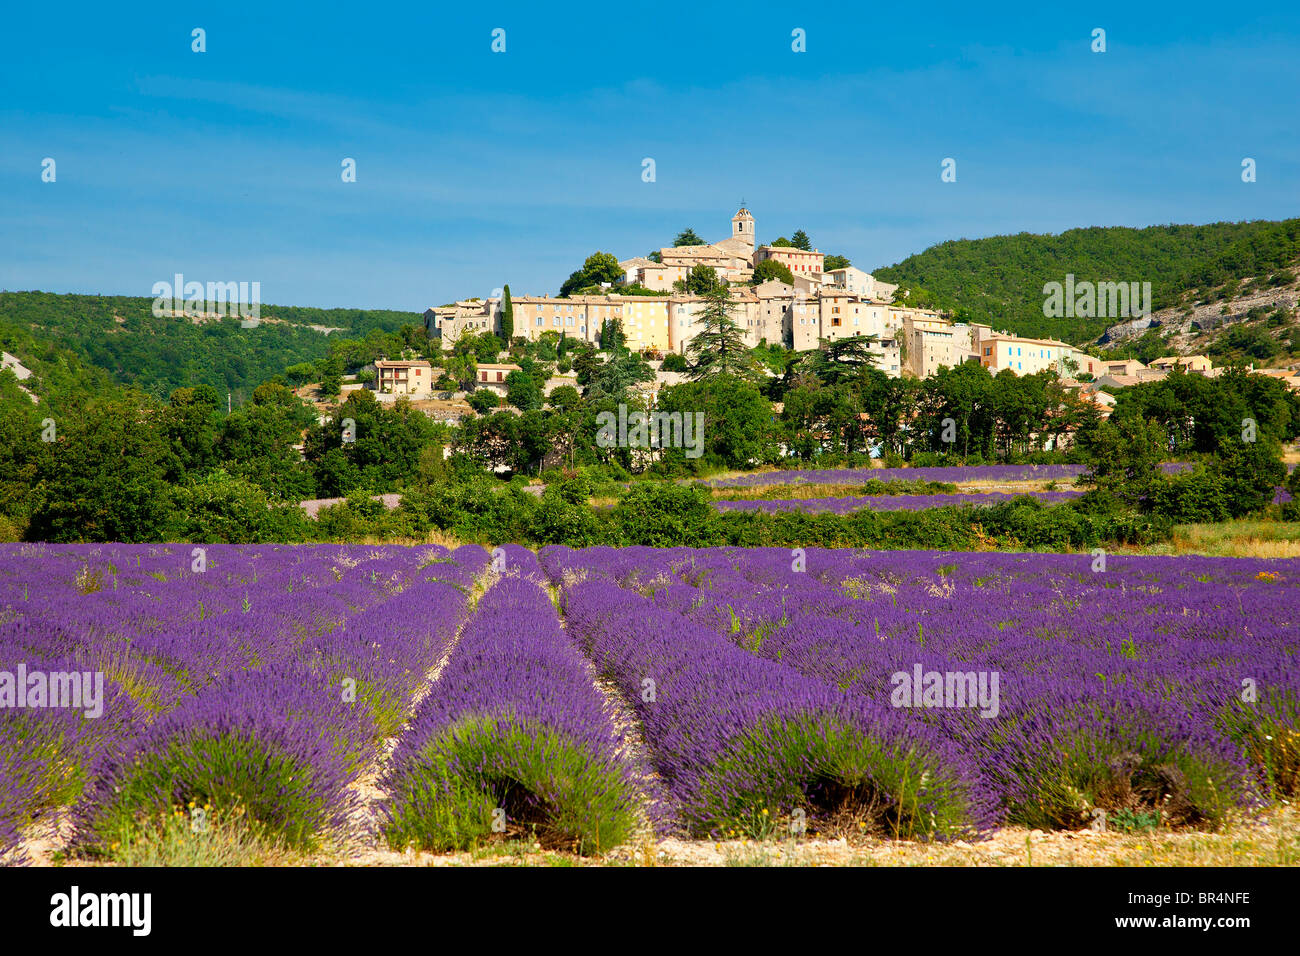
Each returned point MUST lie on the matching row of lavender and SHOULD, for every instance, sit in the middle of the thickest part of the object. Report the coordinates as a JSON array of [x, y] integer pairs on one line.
[[514, 737], [850, 504], [138, 679], [1138, 685]]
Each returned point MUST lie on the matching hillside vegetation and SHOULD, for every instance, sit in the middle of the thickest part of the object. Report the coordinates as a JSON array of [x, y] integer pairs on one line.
[[61, 337], [999, 280]]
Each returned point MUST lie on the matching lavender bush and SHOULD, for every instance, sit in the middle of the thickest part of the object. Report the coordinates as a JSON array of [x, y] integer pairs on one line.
[[514, 733], [741, 740]]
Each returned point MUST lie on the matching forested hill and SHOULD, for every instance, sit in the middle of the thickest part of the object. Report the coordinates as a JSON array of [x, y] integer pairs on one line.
[[55, 334], [999, 280]]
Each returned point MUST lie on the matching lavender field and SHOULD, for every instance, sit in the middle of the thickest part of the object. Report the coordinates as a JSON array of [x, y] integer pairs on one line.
[[425, 698], [954, 473], [853, 503]]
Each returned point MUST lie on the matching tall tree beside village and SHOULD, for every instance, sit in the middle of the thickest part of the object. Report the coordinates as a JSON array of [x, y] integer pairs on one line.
[[842, 360], [800, 240], [719, 347], [599, 267], [688, 237], [611, 337], [507, 316]]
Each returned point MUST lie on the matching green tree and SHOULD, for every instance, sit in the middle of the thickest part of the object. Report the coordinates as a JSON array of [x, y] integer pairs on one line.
[[664, 515], [687, 237], [491, 440], [831, 263], [487, 348], [380, 451], [1251, 472], [483, 400], [256, 443], [21, 450], [564, 397], [223, 507], [331, 376], [507, 315], [105, 477], [191, 423], [702, 279], [300, 374], [522, 392], [735, 424], [718, 348], [800, 240], [611, 379], [599, 267], [1123, 458], [842, 360], [611, 336], [772, 269]]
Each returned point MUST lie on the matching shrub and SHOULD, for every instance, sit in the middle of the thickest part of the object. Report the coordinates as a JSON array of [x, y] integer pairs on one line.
[[664, 515], [483, 400], [276, 746], [446, 796]]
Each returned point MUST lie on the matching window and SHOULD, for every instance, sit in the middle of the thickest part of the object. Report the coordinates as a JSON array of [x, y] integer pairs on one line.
[[500, 376]]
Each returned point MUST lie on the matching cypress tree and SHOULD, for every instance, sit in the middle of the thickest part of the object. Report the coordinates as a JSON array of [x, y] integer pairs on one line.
[[507, 317]]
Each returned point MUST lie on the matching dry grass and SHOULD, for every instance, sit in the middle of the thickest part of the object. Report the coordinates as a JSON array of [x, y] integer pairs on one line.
[[433, 536], [1235, 539]]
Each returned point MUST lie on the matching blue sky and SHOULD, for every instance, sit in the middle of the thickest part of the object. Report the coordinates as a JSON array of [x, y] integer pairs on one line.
[[475, 169]]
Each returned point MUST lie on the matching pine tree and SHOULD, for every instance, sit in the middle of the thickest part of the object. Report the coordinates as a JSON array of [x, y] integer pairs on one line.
[[719, 347], [844, 359], [800, 240]]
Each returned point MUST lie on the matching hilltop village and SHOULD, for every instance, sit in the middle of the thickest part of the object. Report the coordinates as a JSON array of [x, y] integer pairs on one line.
[[816, 305], [808, 305]]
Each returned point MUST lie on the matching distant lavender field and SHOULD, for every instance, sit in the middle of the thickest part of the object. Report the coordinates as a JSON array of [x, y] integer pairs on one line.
[[889, 502], [833, 476], [955, 473]]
